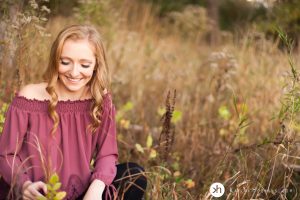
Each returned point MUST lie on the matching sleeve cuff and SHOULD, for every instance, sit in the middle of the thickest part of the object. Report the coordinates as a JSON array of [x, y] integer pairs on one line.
[[107, 179]]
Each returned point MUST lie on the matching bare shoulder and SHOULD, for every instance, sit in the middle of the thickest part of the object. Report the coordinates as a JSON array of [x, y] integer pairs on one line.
[[34, 91]]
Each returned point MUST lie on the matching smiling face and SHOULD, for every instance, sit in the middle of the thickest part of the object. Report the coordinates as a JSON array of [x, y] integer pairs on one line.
[[76, 65]]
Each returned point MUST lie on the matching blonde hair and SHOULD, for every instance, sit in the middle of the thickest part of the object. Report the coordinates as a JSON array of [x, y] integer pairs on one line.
[[99, 81]]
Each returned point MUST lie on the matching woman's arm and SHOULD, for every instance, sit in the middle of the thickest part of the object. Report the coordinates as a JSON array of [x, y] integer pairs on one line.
[[95, 190], [107, 152], [14, 130]]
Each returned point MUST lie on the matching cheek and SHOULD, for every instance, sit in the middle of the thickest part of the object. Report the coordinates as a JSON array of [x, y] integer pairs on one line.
[[62, 69], [89, 72]]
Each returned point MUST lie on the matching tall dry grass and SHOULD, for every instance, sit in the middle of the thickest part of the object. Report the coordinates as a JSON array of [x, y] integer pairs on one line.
[[227, 102]]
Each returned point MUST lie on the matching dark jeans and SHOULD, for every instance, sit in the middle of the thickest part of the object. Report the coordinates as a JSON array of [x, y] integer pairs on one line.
[[129, 182]]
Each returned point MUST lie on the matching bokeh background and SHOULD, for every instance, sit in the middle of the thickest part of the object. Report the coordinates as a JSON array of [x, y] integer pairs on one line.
[[205, 90]]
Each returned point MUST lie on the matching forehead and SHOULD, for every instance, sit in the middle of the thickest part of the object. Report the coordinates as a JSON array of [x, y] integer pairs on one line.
[[78, 49]]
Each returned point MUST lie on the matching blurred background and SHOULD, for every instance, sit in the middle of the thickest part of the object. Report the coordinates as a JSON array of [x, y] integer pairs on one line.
[[205, 90]]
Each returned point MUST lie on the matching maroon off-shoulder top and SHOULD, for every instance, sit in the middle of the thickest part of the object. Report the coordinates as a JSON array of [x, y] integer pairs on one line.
[[27, 148]]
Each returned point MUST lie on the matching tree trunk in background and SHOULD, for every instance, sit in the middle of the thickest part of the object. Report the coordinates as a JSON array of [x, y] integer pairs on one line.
[[8, 45], [9, 41], [213, 14]]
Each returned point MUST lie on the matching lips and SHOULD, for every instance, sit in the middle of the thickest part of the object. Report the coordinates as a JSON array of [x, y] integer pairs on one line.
[[74, 80]]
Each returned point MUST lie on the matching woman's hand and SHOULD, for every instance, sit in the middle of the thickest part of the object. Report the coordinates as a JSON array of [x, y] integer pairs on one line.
[[95, 191], [30, 190]]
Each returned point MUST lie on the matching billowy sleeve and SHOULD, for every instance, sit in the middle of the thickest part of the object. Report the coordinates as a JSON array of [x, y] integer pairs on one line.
[[11, 140], [107, 151]]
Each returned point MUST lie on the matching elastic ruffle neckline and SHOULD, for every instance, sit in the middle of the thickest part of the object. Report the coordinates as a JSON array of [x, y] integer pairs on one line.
[[37, 105]]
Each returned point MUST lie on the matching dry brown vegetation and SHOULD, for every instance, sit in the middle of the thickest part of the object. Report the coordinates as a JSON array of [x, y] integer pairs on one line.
[[228, 98]]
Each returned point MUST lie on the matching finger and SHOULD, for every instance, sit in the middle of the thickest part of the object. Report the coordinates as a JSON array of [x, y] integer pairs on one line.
[[35, 193], [27, 194], [32, 191], [28, 198], [41, 185], [45, 188]]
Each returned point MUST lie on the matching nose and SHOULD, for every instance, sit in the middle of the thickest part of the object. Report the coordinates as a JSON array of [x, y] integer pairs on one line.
[[75, 70]]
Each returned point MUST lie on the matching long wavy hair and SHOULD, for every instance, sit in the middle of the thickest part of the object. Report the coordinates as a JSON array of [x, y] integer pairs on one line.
[[99, 81]]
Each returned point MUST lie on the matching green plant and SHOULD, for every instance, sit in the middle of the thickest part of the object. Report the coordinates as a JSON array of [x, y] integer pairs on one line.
[[52, 189], [2, 115]]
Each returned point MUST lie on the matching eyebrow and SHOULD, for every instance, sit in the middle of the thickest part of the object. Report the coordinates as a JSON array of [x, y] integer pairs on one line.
[[81, 60]]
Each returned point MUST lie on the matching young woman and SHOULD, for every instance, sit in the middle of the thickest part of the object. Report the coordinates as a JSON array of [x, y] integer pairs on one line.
[[58, 125]]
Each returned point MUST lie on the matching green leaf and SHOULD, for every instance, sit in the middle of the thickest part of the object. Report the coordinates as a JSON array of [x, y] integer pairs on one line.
[[139, 148], [56, 186], [175, 166], [224, 113], [54, 179], [49, 187], [4, 107], [153, 154], [42, 198], [1, 118], [60, 195], [128, 106], [176, 116], [179, 179], [149, 141]]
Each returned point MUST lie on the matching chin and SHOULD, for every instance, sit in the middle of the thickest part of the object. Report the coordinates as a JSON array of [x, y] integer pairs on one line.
[[73, 88]]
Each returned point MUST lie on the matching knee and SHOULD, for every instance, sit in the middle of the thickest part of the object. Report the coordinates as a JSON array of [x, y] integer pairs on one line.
[[130, 167], [135, 168], [134, 172], [138, 175]]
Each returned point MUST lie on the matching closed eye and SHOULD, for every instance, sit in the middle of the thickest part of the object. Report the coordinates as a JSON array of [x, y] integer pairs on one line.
[[64, 63], [85, 66]]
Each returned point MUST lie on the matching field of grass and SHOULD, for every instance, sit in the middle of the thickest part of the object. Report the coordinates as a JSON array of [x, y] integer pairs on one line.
[[236, 111]]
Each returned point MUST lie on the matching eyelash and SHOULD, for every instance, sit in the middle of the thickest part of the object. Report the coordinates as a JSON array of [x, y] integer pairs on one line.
[[66, 63]]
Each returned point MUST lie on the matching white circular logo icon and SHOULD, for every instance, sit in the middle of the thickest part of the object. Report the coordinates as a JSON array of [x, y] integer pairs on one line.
[[217, 189]]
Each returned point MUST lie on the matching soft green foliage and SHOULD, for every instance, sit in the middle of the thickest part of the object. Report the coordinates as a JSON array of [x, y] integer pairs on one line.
[[285, 14], [224, 113], [95, 11], [139, 148], [53, 189], [290, 109], [166, 6], [149, 141], [238, 14], [2, 115], [176, 117], [243, 122], [128, 106], [148, 149], [191, 22]]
